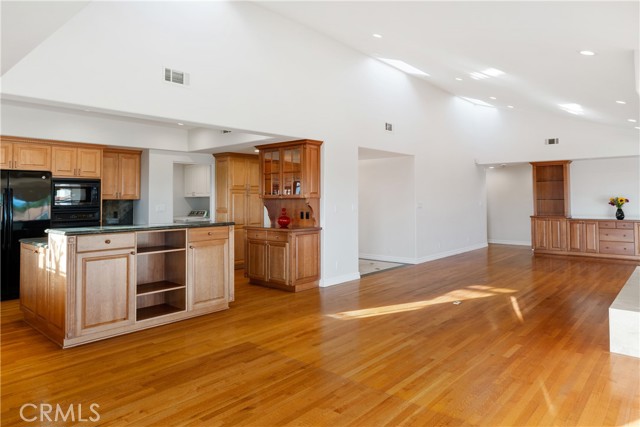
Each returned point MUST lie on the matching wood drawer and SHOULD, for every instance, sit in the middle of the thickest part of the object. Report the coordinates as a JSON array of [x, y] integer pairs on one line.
[[207, 233], [275, 236], [257, 234], [625, 225], [103, 242], [616, 235], [616, 248], [606, 224]]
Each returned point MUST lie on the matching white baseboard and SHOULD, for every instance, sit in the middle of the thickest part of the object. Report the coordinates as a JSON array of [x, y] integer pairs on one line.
[[510, 242], [451, 253], [388, 258], [427, 258], [332, 281]]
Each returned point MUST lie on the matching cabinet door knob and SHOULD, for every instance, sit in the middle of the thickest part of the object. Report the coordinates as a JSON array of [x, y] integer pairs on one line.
[[133, 252], [190, 247], [107, 241], [209, 233]]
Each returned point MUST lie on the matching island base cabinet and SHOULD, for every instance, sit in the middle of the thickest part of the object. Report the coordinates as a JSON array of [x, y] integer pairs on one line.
[[94, 286], [105, 289]]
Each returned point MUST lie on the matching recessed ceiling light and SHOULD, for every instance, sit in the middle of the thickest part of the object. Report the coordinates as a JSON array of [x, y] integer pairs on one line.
[[493, 72], [587, 53], [403, 66], [180, 124], [492, 167], [458, 79], [620, 102], [637, 127], [631, 120], [493, 97], [376, 35], [572, 108], [509, 106]]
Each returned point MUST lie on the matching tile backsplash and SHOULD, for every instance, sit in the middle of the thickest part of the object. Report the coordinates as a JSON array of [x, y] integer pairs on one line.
[[117, 212]]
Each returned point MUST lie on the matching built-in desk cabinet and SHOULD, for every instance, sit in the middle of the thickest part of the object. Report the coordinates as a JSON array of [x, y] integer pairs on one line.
[[586, 237]]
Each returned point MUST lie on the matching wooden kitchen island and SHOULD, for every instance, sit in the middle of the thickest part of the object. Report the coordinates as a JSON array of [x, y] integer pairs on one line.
[[86, 284]]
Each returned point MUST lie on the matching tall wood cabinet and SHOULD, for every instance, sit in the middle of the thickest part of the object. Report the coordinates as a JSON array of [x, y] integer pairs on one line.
[[120, 175], [237, 196]]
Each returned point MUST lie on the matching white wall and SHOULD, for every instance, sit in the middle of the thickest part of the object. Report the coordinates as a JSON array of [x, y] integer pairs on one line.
[[254, 70], [510, 204], [593, 182], [386, 209]]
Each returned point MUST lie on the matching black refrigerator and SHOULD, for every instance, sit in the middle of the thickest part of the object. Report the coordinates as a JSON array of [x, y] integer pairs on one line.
[[26, 212]]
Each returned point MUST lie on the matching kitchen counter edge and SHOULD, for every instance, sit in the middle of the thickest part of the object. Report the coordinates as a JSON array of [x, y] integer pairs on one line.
[[131, 228]]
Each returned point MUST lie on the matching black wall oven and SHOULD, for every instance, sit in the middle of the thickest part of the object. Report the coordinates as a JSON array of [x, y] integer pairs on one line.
[[75, 203]]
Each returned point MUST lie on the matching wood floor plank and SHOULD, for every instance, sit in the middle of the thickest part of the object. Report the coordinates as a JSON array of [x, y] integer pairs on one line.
[[526, 345]]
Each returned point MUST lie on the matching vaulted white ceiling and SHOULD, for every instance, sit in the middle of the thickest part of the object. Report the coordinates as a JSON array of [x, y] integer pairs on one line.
[[536, 44]]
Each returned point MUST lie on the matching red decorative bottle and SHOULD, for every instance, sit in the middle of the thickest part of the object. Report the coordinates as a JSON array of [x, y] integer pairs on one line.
[[283, 219]]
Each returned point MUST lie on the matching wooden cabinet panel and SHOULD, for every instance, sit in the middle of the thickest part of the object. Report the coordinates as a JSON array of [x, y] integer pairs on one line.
[[256, 261], [549, 234], [120, 175], [6, 155], [130, 176], [89, 162], [551, 188], [105, 290], [278, 263], [540, 233], [576, 239], [110, 173], [33, 271], [208, 273], [591, 236], [63, 161], [617, 235], [237, 197], [616, 248], [558, 234], [307, 255], [31, 156]]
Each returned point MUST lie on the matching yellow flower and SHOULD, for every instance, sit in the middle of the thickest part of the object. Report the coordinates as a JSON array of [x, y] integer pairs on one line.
[[612, 200], [621, 200]]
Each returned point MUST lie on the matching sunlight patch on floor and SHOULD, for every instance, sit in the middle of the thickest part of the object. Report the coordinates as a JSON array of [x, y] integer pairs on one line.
[[469, 293]]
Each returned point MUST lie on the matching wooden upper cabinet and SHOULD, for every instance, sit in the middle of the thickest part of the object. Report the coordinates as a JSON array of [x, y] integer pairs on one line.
[[551, 188], [25, 156], [69, 161], [290, 170], [120, 175]]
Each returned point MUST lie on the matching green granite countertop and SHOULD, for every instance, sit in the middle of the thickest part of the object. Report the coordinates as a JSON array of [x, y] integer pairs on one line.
[[77, 231], [41, 242]]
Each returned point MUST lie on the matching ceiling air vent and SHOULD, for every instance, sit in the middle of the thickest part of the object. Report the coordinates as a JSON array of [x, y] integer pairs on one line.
[[552, 141], [226, 131], [174, 76]]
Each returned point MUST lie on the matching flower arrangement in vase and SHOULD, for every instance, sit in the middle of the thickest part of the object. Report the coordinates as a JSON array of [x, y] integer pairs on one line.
[[618, 202]]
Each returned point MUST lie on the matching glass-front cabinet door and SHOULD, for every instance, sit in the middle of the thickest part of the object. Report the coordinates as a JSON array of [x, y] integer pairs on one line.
[[271, 178], [291, 171]]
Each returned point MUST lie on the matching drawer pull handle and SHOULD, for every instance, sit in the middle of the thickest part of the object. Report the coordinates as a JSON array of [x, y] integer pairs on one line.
[[209, 233], [133, 252], [107, 241]]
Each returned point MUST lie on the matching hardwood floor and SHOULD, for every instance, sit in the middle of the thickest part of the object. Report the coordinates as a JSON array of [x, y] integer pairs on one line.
[[527, 345]]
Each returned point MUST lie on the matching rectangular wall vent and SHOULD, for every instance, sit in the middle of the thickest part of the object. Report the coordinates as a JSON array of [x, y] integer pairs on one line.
[[552, 141], [388, 127], [174, 76]]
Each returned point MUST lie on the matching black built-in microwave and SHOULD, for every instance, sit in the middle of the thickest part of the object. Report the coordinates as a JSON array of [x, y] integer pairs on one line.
[[75, 202]]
